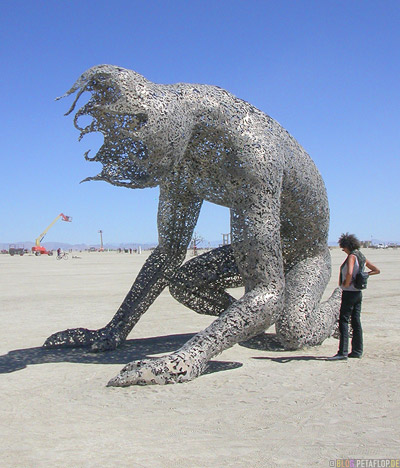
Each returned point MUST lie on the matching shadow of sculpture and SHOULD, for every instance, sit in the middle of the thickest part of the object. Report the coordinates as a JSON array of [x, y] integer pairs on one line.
[[135, 349], [286, 359], [264, 342], [270, 342]]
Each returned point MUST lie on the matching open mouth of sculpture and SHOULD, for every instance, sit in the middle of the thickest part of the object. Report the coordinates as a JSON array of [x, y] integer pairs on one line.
[[123, 154]]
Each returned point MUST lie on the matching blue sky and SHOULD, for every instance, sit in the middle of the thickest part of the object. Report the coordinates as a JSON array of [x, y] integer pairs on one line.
[[327, 70]]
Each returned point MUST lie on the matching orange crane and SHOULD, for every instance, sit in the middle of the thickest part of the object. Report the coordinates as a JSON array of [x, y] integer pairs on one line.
[[38, 249]]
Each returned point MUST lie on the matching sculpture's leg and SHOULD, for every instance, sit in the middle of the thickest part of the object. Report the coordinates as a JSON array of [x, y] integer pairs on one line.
[[248, 316], [201, 282], [261, 267], [305, 321]]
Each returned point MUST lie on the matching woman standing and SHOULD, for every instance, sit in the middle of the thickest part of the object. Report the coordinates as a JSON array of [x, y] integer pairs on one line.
[[350, 307]]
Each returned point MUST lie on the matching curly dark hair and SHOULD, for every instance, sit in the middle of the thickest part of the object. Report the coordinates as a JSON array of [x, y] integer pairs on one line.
[[349, 241]]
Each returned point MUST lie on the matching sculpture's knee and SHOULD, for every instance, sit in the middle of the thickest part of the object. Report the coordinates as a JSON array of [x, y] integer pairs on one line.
[[190, 280], [308, 324], [292, 341], [178, 286], [262, 305], [199, 293], [301, 325], [185, 287]]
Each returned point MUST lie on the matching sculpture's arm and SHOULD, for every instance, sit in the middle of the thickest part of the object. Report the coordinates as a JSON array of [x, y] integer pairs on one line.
[[177, 216]]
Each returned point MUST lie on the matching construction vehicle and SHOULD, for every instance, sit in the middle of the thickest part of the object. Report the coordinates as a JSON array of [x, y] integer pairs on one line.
[[38, 249], [16, 250]]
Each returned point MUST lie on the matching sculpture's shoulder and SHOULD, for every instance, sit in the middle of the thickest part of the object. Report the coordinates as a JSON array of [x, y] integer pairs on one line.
[[201, 94], [215, 105]]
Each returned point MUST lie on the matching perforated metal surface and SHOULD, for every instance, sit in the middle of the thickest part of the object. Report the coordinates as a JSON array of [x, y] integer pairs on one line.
[[199, 142]]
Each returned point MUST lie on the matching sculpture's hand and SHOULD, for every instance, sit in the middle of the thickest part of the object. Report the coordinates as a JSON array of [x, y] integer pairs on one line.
[[72, 338], [106, 342], [98, 340], [174, 368]]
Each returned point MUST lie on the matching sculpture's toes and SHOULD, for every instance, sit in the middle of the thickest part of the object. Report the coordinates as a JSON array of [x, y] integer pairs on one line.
[[136, 373], [166, 370], [70, 338]]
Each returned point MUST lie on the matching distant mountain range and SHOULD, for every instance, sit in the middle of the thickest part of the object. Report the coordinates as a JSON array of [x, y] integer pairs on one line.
[[134, 245], [374, 242], [125, 245], [62, 245]]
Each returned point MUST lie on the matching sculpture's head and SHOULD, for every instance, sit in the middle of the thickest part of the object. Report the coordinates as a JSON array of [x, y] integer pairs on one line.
[[119, 107]]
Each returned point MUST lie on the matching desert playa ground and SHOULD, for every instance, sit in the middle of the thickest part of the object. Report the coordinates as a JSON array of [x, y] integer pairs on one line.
[[258, 406]]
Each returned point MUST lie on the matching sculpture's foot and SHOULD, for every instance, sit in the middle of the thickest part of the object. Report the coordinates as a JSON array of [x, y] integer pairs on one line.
[[72, 338], [170, 369]]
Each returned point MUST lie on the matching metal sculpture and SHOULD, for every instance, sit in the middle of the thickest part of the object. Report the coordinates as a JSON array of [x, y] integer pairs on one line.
[[199, 142]]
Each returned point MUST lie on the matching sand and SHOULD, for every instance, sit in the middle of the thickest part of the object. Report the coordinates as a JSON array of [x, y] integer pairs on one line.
[[255, 408]]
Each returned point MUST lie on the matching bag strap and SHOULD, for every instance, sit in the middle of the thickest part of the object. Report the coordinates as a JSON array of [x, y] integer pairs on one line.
[[360, 257]]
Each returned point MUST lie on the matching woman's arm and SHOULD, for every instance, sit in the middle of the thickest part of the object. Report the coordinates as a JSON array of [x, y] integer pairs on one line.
[[373, 269]]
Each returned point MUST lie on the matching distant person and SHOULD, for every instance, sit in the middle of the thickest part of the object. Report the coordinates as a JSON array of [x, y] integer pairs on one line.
[[58, 251], [350, 308]]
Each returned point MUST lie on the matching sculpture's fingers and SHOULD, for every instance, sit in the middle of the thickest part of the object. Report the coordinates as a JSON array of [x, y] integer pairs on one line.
[[56, 339], [70, 338], [105, 343]]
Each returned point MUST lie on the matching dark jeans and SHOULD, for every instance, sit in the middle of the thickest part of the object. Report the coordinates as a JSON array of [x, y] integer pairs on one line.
[[350, 308]]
